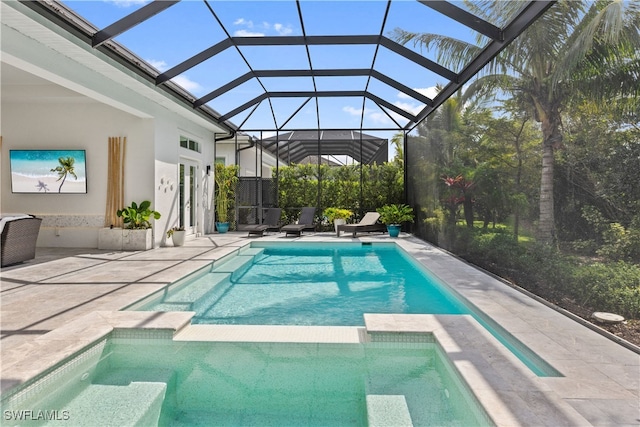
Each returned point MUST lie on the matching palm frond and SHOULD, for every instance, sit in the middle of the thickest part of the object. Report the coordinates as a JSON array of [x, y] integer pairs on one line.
[[451, 53], [609, 31]]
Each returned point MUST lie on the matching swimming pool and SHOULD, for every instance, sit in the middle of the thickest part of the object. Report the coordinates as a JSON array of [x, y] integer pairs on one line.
[[128, 381], [310, 283]]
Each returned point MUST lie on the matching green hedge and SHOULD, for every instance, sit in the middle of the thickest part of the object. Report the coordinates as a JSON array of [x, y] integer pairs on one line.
[[600, 286], [340, 186]]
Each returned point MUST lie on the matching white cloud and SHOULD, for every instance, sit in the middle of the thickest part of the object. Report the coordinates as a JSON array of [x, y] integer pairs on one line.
[[409, 106], [182, 81], [246, 33], [266, 27], [243, 22], [378, 117], [187, 84], [430, 92], [282, 29], [159, 65], [351, 110], [371, 115], [127, 3]]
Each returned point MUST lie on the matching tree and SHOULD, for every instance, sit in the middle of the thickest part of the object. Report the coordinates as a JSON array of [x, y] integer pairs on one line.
[[64, 169], [539, 67]]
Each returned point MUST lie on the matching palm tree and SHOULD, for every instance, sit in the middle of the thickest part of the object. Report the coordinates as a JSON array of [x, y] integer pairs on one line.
[[66, 168], [543, 66]]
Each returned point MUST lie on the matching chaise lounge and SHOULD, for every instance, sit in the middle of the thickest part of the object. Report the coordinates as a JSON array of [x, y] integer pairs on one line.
[[305, 222], [369, 223], [271, 223], [18, 238]]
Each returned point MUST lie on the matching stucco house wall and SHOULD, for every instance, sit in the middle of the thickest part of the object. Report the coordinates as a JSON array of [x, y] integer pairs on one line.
[[58, 93]]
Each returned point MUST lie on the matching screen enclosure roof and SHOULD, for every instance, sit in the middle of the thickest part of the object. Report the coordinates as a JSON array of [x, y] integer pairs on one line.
[[294, 65], [296, 146]]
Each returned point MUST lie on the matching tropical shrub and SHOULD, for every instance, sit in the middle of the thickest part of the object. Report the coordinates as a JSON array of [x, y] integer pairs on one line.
[[138, 216], [337, 213], [613, 287], [226, 178], [396, 214]]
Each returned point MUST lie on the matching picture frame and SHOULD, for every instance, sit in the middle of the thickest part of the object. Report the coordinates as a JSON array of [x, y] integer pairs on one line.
[[48, 171]]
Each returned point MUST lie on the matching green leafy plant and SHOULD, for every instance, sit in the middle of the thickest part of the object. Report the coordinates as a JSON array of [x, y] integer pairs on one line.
[[337, 213], [173, 230], [396, 214], [138, 216], [226, 178]]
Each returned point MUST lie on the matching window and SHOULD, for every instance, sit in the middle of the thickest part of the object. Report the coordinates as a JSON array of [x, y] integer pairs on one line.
[[221, 160], [189, 144]]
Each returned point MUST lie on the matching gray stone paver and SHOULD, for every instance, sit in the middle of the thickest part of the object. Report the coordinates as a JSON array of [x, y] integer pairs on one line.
[[601, 383]]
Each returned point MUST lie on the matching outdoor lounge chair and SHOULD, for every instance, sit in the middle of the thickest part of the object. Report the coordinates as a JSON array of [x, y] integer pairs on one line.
[[271, 223], [19, 236], [369, 223], [305, 222]]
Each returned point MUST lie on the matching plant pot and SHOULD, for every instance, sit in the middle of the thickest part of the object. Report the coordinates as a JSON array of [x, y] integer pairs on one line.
[[337, 222], [137, 239], [125, 239], [178, 237], [394, 230], [222, 227]]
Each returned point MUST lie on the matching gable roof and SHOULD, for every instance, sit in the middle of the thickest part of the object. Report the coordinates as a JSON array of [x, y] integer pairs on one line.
[[295, 146]]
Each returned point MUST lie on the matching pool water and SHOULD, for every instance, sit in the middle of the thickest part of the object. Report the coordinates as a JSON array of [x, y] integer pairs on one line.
[[169, 383], [330, 284], [310, 285]]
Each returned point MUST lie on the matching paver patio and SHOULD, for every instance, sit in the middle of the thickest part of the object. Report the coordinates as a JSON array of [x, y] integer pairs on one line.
[[600, 386]]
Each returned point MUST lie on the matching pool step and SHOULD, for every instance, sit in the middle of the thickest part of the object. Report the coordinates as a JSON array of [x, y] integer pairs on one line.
[[122, 398], [248, 250], [184, 298], [125, 376], [236, 266], [388, 410]]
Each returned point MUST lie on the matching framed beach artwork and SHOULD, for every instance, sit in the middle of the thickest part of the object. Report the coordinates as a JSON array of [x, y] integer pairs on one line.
[[48, 171]]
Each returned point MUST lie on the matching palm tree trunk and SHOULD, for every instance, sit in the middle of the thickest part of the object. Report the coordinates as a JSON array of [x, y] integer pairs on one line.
[[552, 139], [64, 178], [547, 220]]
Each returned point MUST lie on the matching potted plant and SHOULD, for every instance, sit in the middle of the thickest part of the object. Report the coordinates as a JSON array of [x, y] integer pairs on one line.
[[137, 233], [226, 178], [138, 217], [394, 215], [177, 235], [337, 215]]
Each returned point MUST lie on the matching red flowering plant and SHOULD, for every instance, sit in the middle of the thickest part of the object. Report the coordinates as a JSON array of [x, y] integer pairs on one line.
[[460, 193]]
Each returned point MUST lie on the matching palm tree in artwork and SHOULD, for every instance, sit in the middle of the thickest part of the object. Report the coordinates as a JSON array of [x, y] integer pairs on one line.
[[64, 169], [571, 49]]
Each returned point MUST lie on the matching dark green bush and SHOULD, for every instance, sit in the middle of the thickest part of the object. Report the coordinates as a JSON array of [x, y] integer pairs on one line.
[[613, 287]]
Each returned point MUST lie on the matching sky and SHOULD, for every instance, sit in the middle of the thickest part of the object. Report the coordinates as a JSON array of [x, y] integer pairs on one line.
[[189, 27]]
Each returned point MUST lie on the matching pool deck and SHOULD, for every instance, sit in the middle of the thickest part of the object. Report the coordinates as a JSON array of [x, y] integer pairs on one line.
[[66, 298]]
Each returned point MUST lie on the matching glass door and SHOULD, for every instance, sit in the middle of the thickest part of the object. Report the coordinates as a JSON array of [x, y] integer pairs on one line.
[[188, 195]]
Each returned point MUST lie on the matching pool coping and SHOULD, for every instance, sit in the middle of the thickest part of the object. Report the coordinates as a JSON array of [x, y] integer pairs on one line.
[[600, 383]]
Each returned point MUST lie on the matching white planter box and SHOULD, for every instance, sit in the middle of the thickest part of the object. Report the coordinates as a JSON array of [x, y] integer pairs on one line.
[[137, 240], [124, 239]]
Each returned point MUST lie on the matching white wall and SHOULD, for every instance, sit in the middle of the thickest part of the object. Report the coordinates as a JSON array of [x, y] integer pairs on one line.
[[168, 155], [72, 220], [82, 99]]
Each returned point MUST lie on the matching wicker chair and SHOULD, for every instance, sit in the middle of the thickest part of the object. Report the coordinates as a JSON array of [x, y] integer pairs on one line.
[[18, 241]]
